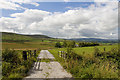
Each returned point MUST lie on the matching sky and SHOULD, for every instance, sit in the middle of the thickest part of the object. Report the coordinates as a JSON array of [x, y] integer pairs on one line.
[[62, 19]]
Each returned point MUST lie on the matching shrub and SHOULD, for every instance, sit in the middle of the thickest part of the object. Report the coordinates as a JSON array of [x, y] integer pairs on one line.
[[58, 45], [64, 44], [20, 69], [71, 44], [6, 68], [85, 44], [11, 56], [15, 76], [13, 66], [96, 52]]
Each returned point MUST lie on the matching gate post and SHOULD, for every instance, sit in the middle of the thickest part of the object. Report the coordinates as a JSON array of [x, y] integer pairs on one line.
[[34, 53], [24, 55]]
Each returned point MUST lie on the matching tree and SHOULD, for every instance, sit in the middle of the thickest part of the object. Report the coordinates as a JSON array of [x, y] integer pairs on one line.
[[58, 45], [64, 44], [73, 44]]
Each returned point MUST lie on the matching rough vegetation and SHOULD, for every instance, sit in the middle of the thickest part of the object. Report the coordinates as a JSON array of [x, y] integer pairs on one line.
[[14, 66], [101, 64]]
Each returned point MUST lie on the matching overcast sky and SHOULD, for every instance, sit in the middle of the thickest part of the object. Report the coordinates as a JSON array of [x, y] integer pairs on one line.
[[60, 19]]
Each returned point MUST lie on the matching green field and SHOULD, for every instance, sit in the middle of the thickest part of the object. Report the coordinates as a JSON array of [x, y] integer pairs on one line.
[[83, 51], [33, 44], [28, 45], [21, 42]]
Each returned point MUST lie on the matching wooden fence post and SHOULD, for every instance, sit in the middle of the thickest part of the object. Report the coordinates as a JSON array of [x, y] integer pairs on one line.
[[62, 54], [104, 48], [34, 53], [58, 53], [30, 53], [66, 55], [25, 55]]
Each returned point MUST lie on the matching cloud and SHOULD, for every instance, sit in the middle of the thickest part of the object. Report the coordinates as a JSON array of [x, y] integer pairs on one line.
[[32, 2], [15, 4], [36, 4], [9, 5], [105, 0], [96, 21], [69, 7], [66, 0]]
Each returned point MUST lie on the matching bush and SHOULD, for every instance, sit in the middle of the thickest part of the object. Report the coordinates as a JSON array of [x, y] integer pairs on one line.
[[11, 56], [86, 44], [14, 66], [20, 69], [15, 76], [6, 68], [58, 45], [71, 44], [64, 44], [96, 52]]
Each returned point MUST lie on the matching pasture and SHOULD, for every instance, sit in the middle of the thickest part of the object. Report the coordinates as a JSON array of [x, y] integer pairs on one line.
[[25, 42], [28, 45], [83, 51], [21, 42]]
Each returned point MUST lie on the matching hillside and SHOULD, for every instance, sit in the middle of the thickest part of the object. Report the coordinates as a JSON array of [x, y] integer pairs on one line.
[[13, 37], [96, 40], [38, 36]]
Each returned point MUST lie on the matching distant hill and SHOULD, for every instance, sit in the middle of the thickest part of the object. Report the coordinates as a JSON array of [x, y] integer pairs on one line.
[[13, 37], [96, 40], [38, 36]]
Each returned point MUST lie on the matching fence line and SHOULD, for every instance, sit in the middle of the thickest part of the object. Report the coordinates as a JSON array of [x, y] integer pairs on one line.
[[29, 53]]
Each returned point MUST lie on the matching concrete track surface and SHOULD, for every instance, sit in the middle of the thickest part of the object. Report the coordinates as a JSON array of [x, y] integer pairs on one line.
[[51, 69]]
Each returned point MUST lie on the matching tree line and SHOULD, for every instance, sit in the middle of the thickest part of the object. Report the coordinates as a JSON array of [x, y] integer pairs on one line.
[[73, 44]]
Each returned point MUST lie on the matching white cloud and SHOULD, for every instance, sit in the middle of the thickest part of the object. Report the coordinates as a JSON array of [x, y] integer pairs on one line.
[[105, 0], [9, 5], [33, 2], [69, 7], [36, 4], [66, 0], [94, 21], [15, 4]]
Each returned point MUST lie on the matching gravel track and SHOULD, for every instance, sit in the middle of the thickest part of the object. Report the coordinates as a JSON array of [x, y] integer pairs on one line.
[[47, 69]]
